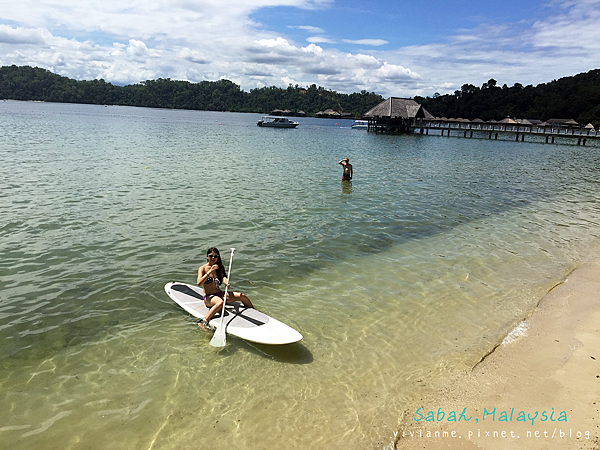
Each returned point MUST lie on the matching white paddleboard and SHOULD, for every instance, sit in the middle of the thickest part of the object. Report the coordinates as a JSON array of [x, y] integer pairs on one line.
[[246, 323]]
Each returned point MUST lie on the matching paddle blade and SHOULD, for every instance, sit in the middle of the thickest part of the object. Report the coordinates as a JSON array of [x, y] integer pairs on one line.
[[219, 339]]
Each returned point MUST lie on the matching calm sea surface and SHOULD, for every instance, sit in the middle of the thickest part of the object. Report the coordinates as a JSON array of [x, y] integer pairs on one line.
[[426, 260]]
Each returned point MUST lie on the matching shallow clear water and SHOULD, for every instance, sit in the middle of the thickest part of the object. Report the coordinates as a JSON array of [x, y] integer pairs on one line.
[[436, 249]]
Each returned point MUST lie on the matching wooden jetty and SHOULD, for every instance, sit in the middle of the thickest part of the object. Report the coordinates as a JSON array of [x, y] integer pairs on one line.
[[552, 131], [404, 115]]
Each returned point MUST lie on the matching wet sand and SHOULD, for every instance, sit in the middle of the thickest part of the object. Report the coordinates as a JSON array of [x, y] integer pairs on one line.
[[540, 390]]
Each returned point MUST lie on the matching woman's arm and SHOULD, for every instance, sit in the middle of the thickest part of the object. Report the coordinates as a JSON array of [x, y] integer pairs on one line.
[[203, 273], [201, 276]]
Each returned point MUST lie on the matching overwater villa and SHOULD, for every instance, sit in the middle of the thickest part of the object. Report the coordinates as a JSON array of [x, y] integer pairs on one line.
[[396, 115]]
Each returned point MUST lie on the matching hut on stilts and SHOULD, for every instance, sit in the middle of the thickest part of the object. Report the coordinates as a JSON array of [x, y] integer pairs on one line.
[[396, 115]]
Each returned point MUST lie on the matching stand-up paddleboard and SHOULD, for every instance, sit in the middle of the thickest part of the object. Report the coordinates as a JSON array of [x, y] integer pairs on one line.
[[246, 323]]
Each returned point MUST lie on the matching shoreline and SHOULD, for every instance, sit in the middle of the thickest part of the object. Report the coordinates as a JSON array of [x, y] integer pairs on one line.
[[538, 389]]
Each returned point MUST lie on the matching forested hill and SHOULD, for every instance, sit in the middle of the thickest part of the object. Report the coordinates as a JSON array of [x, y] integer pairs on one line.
[[576, 97], [29, 83]]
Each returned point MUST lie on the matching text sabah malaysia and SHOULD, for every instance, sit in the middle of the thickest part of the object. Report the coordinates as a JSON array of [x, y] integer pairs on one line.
[[503, 416]]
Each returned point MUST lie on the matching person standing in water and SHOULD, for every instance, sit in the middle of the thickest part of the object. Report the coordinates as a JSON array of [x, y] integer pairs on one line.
[[347, 175]]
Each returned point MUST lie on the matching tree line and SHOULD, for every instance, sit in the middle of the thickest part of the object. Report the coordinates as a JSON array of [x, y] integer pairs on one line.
[[576, 97], [33, 83]]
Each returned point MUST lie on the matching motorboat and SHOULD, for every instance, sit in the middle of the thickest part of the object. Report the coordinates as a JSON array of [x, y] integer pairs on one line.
[[276, 122], [361, 124]]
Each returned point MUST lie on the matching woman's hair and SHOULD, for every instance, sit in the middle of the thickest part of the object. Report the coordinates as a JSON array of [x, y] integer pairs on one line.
[[221, 274]]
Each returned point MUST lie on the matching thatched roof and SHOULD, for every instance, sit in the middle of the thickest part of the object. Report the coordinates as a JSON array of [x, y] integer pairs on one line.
[[565, 122], [402, 108], [524, 122], [328, 113]]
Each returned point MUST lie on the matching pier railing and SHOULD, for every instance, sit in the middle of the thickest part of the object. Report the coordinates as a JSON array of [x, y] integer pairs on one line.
[[516, 132]]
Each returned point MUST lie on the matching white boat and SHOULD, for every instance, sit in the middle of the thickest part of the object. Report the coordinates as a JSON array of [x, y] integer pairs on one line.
[[276, 122], [360, 124]]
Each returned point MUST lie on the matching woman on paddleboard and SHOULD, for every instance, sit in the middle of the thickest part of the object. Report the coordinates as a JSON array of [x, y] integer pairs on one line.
[[210, 277]]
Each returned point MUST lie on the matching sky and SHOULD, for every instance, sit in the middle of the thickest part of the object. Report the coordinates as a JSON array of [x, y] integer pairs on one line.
[[393, 48]]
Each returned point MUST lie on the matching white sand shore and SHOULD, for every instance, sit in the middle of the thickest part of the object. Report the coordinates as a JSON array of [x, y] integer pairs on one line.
[[550, 372]]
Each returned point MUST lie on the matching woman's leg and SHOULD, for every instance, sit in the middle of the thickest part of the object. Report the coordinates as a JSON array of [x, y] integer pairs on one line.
[[215, 303], [239, 296]]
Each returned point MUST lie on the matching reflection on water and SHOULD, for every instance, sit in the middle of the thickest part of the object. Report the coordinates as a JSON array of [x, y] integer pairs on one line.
[[418, 267], [346, 187]]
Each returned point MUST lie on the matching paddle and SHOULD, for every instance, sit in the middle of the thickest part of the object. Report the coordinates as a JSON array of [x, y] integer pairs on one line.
[[218, 339]]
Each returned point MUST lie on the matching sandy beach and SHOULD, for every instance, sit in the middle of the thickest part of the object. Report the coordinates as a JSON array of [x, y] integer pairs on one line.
[[538, 390]]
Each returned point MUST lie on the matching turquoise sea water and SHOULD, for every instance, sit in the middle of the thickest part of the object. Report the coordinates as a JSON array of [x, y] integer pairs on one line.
[[420, 265]]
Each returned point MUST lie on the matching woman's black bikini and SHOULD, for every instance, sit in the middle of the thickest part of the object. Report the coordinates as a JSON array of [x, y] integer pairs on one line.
[[219, 293]]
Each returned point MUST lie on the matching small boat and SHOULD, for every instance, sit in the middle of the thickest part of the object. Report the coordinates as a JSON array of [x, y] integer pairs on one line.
[[277, 122], [360, 124]]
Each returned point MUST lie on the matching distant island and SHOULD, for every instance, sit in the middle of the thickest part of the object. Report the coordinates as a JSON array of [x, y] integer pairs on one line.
[[34, 83], [576, 97]]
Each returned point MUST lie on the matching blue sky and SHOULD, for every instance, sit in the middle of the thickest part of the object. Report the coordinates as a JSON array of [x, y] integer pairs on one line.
[[401, 23], [400, 48]]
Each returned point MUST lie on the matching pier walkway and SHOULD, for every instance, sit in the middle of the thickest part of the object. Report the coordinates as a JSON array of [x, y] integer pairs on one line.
[[513, 132]]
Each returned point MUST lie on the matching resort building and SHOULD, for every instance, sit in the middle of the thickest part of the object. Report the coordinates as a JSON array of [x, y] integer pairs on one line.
[[396, 115]]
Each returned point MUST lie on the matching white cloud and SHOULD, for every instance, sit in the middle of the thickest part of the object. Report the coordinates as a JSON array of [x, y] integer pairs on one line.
[[312, 48], [279, 42], [321, 40], [563, 44], [211, 39], [576, 29], [363, 61], [310, 29], [272, 51], [193, 56], [9, 35], [137, 49], [392, 72], [58, 60], [370, 42]]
